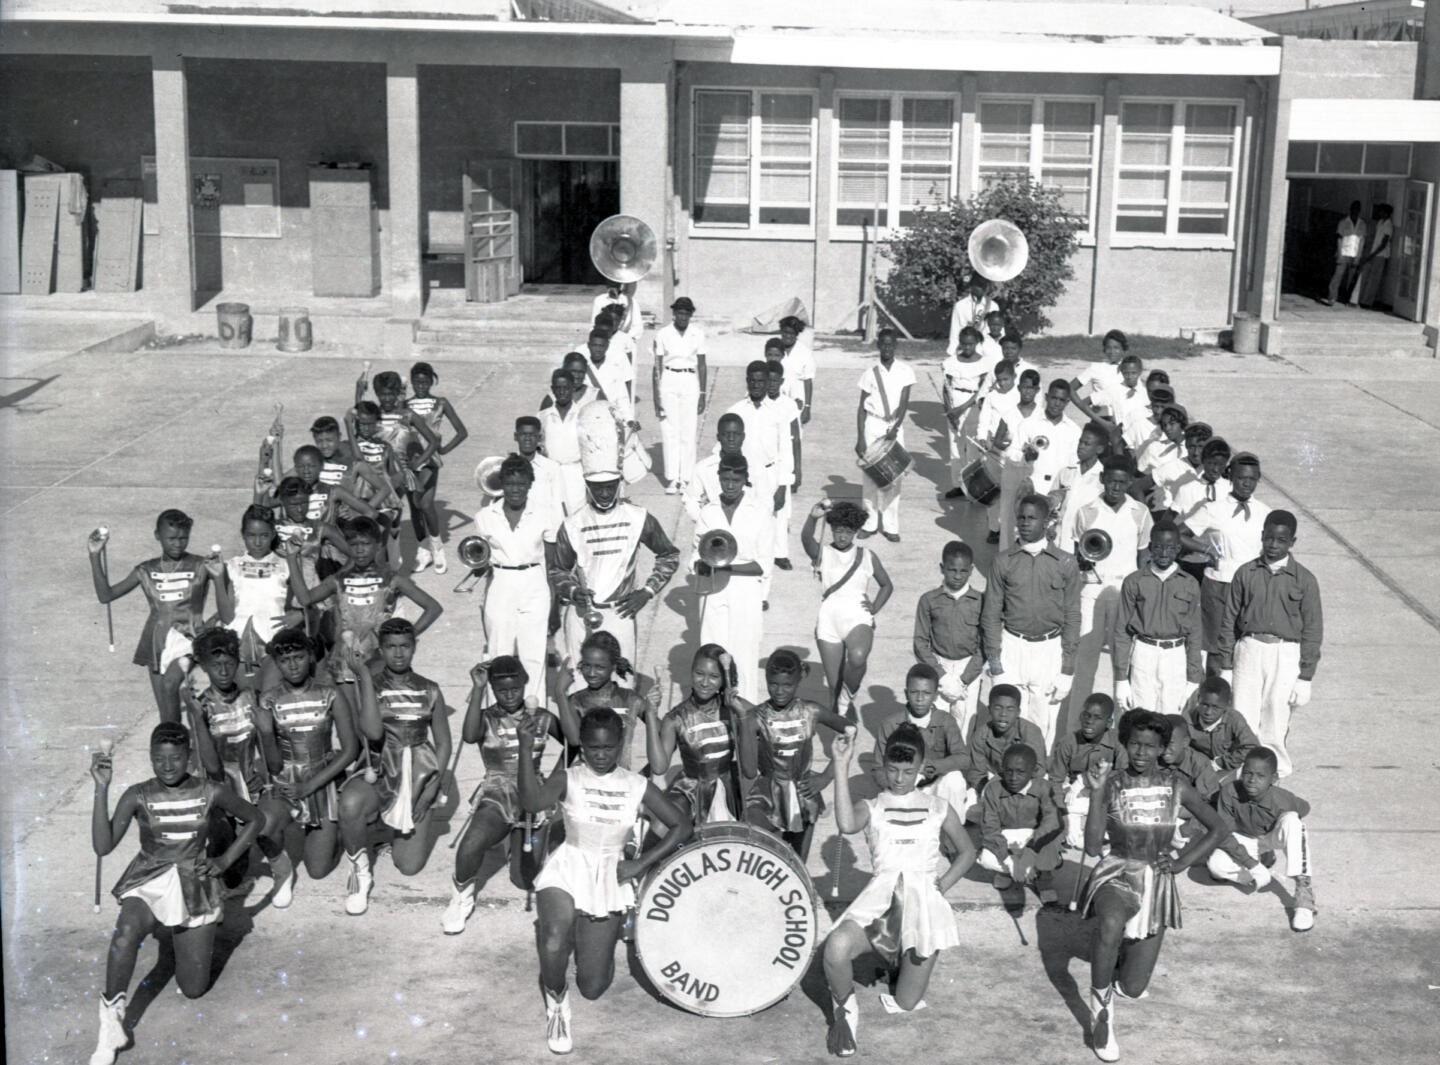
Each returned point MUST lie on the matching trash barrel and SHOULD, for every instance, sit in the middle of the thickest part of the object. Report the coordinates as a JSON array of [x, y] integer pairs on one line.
[[1245, 334], [234, 323], [294, 330]]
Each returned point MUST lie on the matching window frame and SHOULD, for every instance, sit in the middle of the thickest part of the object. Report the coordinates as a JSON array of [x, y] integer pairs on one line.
[[613, 140], [1036, 164], [1171, 237], [753, 227], [895, 163]]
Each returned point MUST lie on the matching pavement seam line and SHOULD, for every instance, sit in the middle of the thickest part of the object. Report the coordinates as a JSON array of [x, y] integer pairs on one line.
[[270, 362], [1393, 406], [1425, 614]]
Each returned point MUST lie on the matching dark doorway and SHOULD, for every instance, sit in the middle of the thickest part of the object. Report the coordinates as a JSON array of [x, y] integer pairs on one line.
[[566, 199]]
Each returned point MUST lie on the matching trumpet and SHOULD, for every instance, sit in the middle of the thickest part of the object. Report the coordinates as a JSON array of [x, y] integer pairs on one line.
[[592, 617], [1040, 443], [1095, 545]]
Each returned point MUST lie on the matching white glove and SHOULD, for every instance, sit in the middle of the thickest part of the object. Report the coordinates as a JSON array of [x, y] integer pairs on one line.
[[996, 666], [952, 689], [1300, 694], [1228, 676], [1261, 876], [1123, 699], [1191, 687], [1059, 688]]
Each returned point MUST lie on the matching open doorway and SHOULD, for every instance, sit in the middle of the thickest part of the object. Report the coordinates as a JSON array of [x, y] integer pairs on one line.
[[565, 200], [1313, 214]]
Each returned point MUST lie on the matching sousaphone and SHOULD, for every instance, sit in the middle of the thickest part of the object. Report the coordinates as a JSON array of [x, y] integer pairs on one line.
[[998, 250], [623, 248]]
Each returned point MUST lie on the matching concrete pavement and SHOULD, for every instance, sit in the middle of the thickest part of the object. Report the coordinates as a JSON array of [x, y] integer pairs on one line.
[[114, 438]]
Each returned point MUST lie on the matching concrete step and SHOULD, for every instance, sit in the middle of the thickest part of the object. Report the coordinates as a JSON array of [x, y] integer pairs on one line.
[[1348, 328], [487, 352], [1307, 349]]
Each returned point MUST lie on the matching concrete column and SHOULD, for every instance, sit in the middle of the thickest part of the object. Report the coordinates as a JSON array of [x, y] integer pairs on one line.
[[645, 124], [403, 275], [825, 151], [171, 274], [969, 145], [1270, 243], [1105, 201]]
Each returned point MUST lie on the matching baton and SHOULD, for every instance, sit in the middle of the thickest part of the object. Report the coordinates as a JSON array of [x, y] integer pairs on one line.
[[107, 746], [105, 572]]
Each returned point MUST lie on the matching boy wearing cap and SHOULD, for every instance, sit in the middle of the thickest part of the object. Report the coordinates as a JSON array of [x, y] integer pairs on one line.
[[679, 385]]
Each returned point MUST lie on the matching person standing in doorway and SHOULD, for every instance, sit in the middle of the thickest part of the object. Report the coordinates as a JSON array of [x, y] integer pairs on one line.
[[1371, 284], [1349, 243]]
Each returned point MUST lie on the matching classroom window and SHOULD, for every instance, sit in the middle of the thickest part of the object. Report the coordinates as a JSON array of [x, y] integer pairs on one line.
[[1051, 142], [894, 155], [754, 158], [1177, 169], [1347, 159], [567, 140]]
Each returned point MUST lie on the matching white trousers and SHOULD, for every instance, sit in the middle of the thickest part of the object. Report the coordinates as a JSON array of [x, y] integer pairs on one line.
[[1287, 839], [781, 547], [1157, 678], [1014, 837], [952, 788], [623, 629], [1099, 605], [963, 709], [882, 505], [1032, 666], [734, 618], [572, 486], [962, 452], [1013, 476], [1265, 676], [679, 395], [517, 620]]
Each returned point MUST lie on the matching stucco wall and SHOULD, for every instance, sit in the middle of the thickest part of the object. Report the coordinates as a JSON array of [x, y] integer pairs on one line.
[[1372, 70]]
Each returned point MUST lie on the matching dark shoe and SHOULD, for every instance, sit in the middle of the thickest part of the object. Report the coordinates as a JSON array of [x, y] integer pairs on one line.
[[993, 538], [864, 534], [894, 538], [765, 605], [785, 564], [955, 493]]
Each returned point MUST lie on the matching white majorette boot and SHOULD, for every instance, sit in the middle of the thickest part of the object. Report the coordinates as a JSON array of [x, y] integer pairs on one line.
[[1102, 1024], [841, 1040], [357, 898], [283, 870], [557, 1021], [112, 1037], [422, 559], [462, 905], [437, 549]]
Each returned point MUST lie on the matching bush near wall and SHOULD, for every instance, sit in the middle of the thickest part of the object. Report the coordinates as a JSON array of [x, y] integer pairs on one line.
[[929, 262]]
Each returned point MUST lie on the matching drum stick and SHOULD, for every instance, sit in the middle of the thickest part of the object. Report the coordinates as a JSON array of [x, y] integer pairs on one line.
[[105, 572], [1015, 916], [528, 846], [107, 746]]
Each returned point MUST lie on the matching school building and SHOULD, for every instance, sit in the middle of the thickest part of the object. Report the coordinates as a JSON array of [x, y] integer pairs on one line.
[[381, 149]]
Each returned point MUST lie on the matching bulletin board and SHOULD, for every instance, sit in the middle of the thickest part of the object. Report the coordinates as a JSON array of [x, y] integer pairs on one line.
[[228, 197]]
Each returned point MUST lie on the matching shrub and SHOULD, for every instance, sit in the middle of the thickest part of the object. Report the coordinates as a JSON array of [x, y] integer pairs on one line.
[[930, 261]]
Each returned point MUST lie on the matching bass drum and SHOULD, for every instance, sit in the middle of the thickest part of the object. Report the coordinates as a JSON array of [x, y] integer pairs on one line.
[[725, 926]]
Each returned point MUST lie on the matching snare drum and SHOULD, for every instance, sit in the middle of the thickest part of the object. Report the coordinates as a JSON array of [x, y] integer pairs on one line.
[[725, 926], [979, 485], [885, 462]]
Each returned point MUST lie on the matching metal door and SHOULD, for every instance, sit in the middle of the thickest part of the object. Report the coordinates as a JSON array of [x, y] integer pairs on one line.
[[492, 245], [1412, 253]]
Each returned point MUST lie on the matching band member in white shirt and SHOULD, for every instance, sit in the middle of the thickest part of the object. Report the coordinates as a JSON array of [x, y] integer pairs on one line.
[[679, 384], [884, 402]]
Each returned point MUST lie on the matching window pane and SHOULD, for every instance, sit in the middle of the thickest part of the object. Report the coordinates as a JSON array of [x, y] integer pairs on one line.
[[1145, 134], [1204, 220], [722, 154], [1387, 159], [864, 152], [785, 182], [538, 138], [926, 133], [784, 124], [1301, 156], [1132, 219], [864, 184], [587, 140], [1074, 186], [1143, 185], [1338, 158], [1204, 189], [1209, 135], [863, 216], [722, 214], [924, 185], [1005, 133], [1069, 131], [784, 216]]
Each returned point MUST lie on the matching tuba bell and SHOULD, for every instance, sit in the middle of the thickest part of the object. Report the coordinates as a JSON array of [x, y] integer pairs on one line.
[[487, 475], [1095, 545], [623, 248], [998, 250]]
